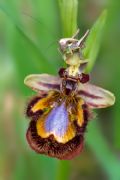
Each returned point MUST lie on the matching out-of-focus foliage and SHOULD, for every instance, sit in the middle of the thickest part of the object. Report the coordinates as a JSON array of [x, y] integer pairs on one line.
[[29, 32]]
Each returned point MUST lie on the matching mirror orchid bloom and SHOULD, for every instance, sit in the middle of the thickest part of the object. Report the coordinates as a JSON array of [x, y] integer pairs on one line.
[[62, 108]]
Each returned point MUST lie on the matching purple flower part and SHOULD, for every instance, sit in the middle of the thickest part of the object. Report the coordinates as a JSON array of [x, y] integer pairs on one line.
[[84, 78], [43, 82], [57, 121], [94, 96]]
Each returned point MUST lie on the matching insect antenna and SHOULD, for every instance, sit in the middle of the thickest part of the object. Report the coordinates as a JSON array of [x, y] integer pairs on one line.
[[82, 39]]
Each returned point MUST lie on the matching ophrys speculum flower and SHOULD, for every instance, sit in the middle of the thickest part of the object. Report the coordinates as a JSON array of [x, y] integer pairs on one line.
[[60, 112]]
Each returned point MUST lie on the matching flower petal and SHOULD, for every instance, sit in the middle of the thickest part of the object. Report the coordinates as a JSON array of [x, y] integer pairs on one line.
[[96, 97], [37, 105], [45, 135], [43, 82], [49, 146], [57, 123]]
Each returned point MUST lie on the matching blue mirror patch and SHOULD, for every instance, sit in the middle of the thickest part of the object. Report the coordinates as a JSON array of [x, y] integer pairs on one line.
[[57, 120]]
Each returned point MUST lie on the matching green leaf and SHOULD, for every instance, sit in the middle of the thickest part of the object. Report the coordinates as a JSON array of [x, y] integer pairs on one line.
[[68, 12], [20, 29], [97, 142], [93, 41], [47, 30], [28, 57]]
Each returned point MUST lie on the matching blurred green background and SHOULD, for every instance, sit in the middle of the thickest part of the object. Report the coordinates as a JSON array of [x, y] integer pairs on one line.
[[29, 34]]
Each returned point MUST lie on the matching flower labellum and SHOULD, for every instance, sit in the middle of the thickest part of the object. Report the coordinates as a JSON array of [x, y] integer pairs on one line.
[[61, 110]]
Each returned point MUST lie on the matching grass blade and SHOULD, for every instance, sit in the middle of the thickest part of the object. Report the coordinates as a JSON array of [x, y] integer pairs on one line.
[[94, 40]]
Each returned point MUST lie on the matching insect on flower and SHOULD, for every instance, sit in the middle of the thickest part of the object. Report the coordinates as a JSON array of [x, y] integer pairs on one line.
[[61, 110]]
